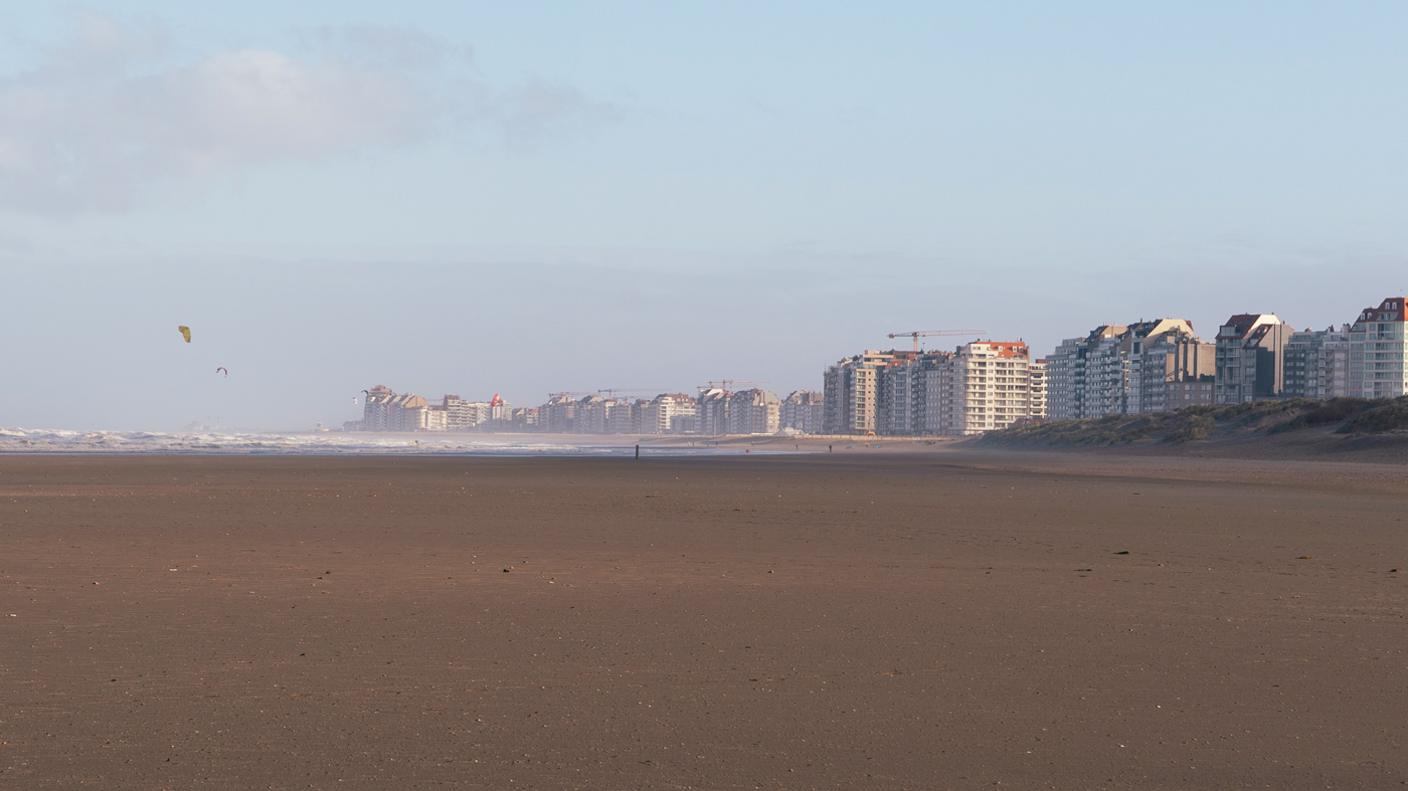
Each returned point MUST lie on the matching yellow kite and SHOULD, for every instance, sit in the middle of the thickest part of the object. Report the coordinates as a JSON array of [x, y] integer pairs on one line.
[[185, 332]]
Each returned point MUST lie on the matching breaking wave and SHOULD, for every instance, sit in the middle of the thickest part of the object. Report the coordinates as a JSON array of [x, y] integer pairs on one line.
[[22, 440]]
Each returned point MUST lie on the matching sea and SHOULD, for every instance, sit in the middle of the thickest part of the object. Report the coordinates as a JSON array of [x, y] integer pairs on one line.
[[61, 441]]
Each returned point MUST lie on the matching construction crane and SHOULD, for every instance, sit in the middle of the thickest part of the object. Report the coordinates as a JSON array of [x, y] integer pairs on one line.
[[725, 384], [915, 335], [613, 392]]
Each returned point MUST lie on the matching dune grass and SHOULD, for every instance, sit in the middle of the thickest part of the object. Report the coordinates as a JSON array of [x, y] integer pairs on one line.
[[1263, 418]]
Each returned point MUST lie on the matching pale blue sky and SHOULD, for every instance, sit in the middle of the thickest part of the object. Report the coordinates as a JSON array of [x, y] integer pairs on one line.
[[524, 197]]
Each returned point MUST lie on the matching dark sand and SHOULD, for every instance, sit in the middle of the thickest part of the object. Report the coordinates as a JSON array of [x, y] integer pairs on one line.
[[952, 620]]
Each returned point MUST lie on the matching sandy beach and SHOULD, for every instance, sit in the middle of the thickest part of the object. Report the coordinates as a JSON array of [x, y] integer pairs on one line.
[[942, 619]]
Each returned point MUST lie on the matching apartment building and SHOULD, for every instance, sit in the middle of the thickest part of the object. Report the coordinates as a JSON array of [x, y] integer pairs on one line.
[[1066, 372], [712, 411], [462, 415], [1116, 365], [670, 413], [525, 419], [559, 414], [984, 386], [851, 392], [386, 410], [903, 392], [376, 408], [500, 412], [754, 411], [1119, 369], [622, 416], [598, 414], [803, 411], [1171, 370], [436, 418], [1378, 348], [981, 386], [1038, 388], [1317, 363], [1250, 358]]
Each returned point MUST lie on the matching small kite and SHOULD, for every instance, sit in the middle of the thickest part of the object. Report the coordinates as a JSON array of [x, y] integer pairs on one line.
[[223, 370], [185, 332]]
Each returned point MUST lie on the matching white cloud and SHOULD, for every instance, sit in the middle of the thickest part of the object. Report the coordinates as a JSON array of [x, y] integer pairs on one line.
[[109, 112], [385, 46]]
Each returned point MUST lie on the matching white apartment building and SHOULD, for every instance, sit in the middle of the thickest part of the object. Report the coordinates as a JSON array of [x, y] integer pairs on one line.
[[462, 415], [669, 413], [385, 410], [1039, 393], [1378, 349], [988, 388], [435, 418], [982, 386]]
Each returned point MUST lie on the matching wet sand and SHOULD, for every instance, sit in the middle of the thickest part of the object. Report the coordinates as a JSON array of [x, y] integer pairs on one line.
[[957, 619]]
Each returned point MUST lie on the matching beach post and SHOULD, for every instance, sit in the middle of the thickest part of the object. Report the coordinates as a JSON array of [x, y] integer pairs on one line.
[[637, 451]]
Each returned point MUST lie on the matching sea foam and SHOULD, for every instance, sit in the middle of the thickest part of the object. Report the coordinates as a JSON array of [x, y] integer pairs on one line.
[[26, 440]]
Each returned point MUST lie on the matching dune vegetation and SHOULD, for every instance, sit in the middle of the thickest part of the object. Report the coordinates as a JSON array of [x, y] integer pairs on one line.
[[1263, 418]]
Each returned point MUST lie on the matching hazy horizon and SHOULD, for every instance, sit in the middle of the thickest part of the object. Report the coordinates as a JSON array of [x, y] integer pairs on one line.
[[473, 198]]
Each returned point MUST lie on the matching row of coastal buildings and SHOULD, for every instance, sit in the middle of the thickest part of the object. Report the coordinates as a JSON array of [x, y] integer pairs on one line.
[[1117, 369], [984, 385], [1161, 365], [713, 411], [386, 410]]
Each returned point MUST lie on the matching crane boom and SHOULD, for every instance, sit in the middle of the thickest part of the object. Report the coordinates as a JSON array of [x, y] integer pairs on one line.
[[915, 335]]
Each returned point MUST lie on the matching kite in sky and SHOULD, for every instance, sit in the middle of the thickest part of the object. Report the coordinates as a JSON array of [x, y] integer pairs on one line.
[[185, 332]]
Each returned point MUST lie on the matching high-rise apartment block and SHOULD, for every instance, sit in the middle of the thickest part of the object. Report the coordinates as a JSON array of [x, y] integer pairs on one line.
[[1379, 351], [712, 407], [1317, 363], [906, 389], [851, 392], [1119, 369], [1040, 388], [988, 387], [803, 411], [385, 410], [1171, 369], [982, 386], [1250, 358], [462, 415], [1066, 373], [754, 412], [670, 413]]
